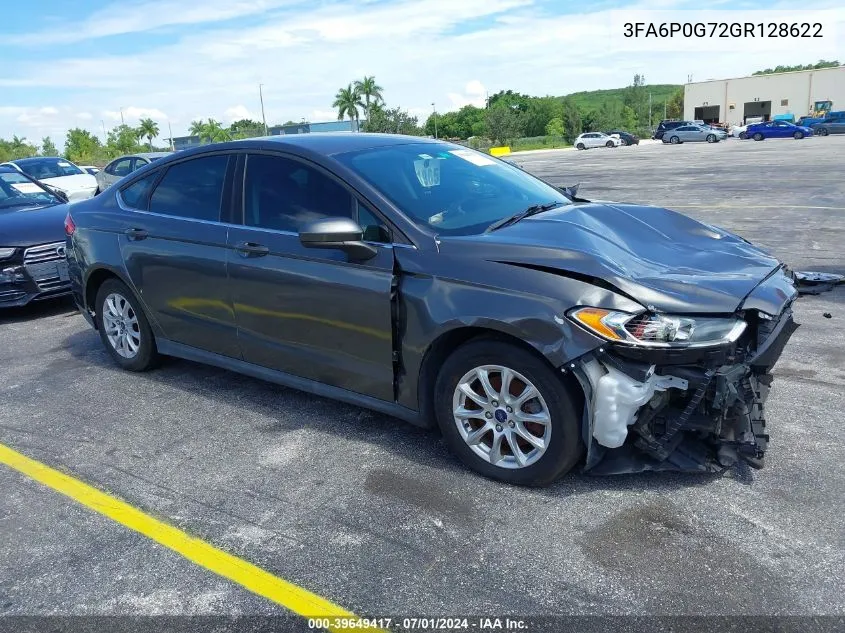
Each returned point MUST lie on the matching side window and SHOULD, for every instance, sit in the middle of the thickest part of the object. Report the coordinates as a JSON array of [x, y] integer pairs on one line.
[[122, 167], [192, 189], [374, 229], [136, 194], [137, 163], [284, 195]]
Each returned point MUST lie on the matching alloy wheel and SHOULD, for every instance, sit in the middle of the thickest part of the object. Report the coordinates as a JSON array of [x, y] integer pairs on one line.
[[674, 140], [121, 326], [502, 416]]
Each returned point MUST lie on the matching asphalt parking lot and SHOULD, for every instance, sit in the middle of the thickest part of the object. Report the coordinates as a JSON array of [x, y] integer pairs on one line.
[[379, 518]]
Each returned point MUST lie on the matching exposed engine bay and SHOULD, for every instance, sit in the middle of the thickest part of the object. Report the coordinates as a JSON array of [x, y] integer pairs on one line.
[[694, 411]]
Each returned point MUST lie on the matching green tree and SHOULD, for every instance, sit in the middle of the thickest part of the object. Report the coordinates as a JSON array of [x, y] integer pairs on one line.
[[555, 127], [512, 99], [196, 128], [502, 123], [572, 121], [246, 128], [48, 148], [675, 105], [635, 97], [149, 129], [370, 92], [347, 101], [391, 121], [214, 132], [18, 147], [786, 69], [122, 140], [538, 114], [83, 147]]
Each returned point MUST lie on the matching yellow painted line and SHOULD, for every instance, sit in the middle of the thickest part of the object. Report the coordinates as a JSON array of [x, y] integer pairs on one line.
[[299, 600]]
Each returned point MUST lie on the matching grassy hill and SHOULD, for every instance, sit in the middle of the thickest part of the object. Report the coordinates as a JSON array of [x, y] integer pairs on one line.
[[592, 100]]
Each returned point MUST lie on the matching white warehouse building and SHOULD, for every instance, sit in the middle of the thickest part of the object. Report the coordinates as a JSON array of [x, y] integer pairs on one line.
[[733, 100]]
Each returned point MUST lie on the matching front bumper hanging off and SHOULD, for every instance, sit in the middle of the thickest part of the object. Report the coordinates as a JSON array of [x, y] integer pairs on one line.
[[694, 414]]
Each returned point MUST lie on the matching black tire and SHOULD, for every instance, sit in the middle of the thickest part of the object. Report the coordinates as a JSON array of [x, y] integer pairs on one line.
[[580, 146], [743, 136], [823, 131], [757, 136], [565, 446], [146, 356], [609, 144], [711, 138], [798, 135], [674, 140]]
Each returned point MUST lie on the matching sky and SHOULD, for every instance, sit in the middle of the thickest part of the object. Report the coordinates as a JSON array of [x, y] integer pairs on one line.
[[84, 63]]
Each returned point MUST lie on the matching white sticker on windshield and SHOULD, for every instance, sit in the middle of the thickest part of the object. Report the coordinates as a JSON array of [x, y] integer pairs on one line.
[[428, 172], [61, 164], [27, 187], [473, 157]]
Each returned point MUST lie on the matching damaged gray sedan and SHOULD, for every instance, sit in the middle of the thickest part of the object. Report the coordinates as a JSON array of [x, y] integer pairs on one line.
[[538, 330]]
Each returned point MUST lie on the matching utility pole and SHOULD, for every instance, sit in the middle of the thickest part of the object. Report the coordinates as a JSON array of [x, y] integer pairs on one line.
[[434, 109], [649, 110], [122, 122], [105, 136], [170, 129], [263, 118], [664, 110]]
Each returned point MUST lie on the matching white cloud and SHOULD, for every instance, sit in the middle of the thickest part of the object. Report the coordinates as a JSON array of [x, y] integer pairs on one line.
[[131, 114], [235, 113], [85, 116], [474, 94], [319, 115]]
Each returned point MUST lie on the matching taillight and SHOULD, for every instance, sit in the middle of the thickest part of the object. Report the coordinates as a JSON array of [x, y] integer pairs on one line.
[[70, 227]]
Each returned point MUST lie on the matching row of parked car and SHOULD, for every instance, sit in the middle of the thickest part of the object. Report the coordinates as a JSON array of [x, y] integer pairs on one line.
[[675, 132]]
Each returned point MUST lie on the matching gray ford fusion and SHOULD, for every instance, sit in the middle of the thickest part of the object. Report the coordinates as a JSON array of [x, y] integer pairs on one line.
[[537, 330]]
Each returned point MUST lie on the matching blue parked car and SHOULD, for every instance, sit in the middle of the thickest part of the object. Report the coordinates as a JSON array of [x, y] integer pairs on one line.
[[777, 129]]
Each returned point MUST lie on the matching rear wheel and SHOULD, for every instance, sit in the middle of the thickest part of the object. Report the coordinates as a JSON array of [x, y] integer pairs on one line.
[[124, 329], [757, 136], [798, 136], [743, 136], [506, 414], [823, 131], [674, 140], [580, 146], [609, 144], [711, 138]]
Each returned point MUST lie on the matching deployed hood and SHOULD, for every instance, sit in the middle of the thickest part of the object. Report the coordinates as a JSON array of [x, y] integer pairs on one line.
[[27, 226], [662, 259]]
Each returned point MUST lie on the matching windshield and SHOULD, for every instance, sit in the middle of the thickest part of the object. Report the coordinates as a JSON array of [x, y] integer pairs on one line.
[[17, 190], [450, 189], [44, 168]]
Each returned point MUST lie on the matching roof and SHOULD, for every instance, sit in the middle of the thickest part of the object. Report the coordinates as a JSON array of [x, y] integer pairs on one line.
[[151, 154], [323, 143], [788, 72]]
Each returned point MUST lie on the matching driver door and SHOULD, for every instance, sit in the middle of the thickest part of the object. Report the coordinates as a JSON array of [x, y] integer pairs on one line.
[[309, 312]]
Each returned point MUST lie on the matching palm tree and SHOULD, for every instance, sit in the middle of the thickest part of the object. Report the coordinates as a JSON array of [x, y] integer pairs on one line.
[[347, 101], [149, 129], [215, 132], [196, 127], [370, 91]]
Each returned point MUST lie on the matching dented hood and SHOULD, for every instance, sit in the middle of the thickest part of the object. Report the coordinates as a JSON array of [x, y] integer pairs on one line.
[[659, 258]]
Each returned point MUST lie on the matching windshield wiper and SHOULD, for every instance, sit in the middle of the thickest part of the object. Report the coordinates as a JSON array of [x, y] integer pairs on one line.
[[534, 209], [9, 204]]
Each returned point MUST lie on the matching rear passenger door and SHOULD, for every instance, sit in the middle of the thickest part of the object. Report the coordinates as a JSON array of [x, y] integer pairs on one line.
[[309, 312], [174, 249]]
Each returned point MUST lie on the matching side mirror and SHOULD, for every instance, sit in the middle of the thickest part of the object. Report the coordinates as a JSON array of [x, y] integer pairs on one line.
[[339, 233], [571, 191]]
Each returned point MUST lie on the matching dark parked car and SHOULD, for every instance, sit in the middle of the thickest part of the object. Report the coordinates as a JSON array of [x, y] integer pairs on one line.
[[32, 241], [668, 124], [626, 137], [440, 285], [830, 125]]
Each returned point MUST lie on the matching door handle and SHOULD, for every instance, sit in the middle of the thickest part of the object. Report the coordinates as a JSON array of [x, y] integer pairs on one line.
[[136, 234], [251, 249]]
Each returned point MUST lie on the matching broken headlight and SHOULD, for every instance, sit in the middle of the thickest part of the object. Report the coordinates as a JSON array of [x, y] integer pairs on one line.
[[658, 330]]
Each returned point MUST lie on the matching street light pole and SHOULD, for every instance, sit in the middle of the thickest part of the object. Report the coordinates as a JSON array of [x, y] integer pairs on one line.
[[170, 129], [261, 96], [122, 122], [434, 109], [105, 136]]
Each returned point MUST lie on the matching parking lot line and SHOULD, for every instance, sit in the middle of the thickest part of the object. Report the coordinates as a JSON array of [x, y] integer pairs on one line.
[[295, 598]]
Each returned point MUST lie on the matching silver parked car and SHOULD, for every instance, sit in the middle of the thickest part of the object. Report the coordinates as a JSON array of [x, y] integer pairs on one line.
[[124, 166], [694, 133]]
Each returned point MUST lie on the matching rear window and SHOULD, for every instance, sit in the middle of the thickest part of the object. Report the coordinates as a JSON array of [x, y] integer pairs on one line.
[[192, 189], [44, 168]]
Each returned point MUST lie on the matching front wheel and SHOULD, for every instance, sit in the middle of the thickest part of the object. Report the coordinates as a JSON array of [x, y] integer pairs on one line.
[[757, 136], [506, 414], [580, 146], [609, 144], [123, 326], [743, 136], [674, 140], [711, 138], [798, 136], [823, 132]]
